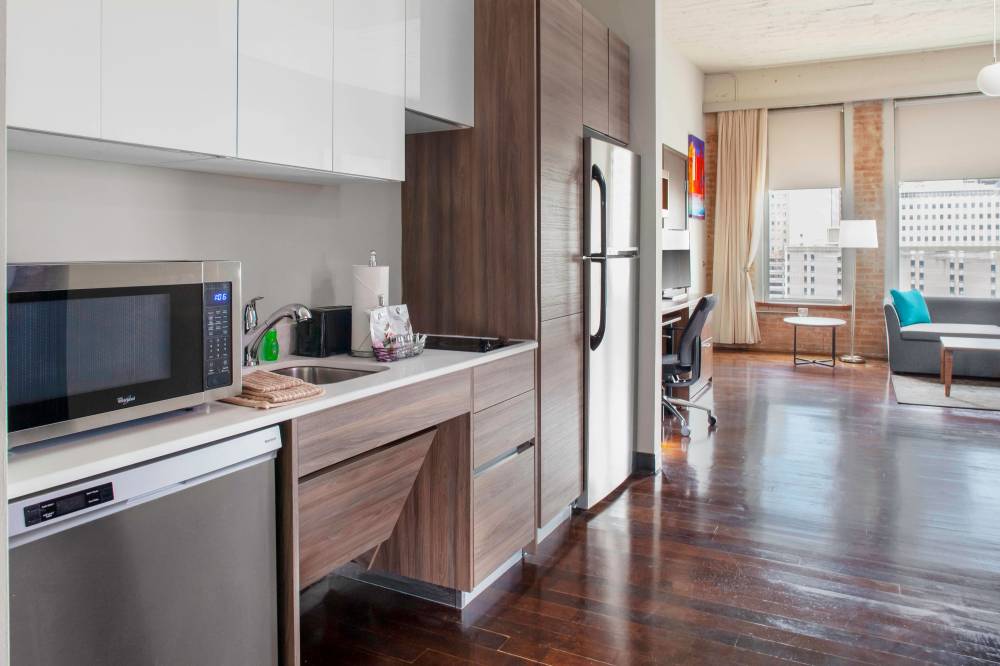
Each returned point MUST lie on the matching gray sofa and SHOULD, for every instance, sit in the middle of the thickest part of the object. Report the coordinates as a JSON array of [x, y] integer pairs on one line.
[[916, 348]]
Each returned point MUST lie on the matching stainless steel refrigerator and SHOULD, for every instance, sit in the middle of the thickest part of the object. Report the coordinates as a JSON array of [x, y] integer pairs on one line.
[[611, 294]]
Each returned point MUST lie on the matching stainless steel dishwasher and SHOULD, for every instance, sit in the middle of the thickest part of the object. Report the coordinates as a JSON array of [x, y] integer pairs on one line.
[[167, 563]]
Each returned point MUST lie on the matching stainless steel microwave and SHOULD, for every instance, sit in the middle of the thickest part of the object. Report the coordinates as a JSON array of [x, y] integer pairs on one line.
[[94, 344]]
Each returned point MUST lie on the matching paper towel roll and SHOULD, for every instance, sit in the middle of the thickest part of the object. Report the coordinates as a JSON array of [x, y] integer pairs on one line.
[[370, 282]]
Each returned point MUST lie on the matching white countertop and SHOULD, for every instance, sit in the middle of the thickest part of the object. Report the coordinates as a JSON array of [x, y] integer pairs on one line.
[[38, 467]]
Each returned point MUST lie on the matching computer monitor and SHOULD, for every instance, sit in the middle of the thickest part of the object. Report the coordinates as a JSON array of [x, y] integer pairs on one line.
[[676, 270]]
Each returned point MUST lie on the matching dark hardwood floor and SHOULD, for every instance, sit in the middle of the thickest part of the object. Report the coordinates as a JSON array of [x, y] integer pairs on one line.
[[822, 523]]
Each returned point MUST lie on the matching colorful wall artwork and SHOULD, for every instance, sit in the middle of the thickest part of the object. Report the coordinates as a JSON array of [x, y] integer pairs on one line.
[[696, 177]]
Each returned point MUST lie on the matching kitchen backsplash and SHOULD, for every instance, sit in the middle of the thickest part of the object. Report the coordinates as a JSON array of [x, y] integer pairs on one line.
[[297, 242]]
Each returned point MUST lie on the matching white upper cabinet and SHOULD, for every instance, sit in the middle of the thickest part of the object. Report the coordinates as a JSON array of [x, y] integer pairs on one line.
[[286, 82], [168, 74], [54, 66], [369, 87], [440, 62], [310, 89]]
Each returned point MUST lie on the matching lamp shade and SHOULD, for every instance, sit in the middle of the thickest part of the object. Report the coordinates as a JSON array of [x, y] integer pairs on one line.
[[989, 80], [858, 234]]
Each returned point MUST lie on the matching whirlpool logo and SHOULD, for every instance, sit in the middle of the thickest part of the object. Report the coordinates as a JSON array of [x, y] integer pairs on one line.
[[125, 400]]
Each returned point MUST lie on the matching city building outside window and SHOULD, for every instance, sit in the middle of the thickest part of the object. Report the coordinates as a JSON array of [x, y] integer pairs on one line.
[[804, 262], [947, 253]]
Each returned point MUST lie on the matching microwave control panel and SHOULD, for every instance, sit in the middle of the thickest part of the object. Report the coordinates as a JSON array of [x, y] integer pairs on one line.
[[218, 334]]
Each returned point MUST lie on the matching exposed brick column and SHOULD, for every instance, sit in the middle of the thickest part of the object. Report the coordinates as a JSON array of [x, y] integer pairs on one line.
[[711, 168], [869, 203]]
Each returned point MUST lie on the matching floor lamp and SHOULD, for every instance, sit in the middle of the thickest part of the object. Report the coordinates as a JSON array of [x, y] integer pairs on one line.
[[855, 235]]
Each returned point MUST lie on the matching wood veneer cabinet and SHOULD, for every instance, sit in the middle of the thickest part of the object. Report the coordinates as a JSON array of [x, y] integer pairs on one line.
[[433, 481], [596, 90], [619, 87], [492, 215], [354, 506]]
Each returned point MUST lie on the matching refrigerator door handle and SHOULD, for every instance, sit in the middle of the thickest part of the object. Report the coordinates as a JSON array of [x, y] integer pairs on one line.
[[597, 338], [598, 175]]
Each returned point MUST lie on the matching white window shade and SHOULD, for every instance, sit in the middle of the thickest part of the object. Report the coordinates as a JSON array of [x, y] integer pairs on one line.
[[948, 140], [805, 148]]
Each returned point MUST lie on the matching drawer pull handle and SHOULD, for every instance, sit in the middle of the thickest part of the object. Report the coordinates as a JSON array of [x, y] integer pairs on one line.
[[503, 457]]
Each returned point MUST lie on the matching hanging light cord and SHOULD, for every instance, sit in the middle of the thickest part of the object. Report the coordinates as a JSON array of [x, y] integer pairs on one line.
[[994, 30]]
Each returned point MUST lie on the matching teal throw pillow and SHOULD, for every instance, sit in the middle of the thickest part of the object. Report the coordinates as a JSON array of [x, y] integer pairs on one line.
[[911, 307]]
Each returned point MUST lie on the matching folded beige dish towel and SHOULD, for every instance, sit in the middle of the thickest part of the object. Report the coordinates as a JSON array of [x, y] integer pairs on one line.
[[264, 390]]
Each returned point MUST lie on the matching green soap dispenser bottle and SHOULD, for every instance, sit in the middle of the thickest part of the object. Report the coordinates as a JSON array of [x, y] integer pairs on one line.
[[269, 349]]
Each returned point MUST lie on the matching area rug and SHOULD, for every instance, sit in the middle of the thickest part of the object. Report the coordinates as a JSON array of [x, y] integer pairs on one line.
[[928, 390]]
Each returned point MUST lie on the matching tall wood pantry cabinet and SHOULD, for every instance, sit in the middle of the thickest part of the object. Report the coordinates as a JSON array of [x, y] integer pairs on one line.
[[492, 215]]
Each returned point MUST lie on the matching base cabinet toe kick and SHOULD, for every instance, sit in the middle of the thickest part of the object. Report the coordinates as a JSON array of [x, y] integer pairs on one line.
[[428, 488]]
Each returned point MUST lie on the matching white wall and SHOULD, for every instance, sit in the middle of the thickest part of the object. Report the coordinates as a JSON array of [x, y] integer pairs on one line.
[[4, 594], [683, 85], [297, 242], [946, 72]]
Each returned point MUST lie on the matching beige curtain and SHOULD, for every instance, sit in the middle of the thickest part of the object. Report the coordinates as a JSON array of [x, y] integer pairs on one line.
[[739, 202]]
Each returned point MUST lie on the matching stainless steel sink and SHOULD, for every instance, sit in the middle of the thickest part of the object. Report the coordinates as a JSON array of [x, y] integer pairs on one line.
[[319, 374]]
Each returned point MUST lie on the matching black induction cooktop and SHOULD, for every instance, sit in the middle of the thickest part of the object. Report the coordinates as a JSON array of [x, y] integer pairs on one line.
[[465, 343]]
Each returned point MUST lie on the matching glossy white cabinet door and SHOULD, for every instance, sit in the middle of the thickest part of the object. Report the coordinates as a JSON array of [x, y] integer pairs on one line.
[[369, 54], [168, 74], [286, 82], [440, 59], [54, 65]]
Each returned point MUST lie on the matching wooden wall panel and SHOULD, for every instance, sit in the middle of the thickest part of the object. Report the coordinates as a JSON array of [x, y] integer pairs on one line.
[[618, 62], [469, 203], [287, 486], [560, 157], [596, 94], [560, 448]]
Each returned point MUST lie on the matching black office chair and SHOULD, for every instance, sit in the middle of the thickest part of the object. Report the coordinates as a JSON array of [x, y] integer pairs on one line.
[[683, 368]]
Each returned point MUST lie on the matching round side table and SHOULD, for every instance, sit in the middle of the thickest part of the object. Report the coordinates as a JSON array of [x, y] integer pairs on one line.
[[815, 322]]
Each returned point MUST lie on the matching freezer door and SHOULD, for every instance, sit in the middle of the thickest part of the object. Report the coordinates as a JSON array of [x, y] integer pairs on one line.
[[619, 170], [610, 373]]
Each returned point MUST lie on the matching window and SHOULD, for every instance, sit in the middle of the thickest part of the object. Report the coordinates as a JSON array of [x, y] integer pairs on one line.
[[953, 265], [802, 243], [943, 166], [805, 163]]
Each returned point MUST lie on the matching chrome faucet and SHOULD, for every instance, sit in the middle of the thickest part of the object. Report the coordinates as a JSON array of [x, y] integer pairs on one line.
[[254, 333]]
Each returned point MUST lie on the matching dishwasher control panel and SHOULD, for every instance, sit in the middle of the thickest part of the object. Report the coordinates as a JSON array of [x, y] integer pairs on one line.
[[61, 506]]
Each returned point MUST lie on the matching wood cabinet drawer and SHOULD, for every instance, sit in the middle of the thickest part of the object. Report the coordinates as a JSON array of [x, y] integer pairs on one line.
[[331, 436], [502, 428], [501, 380], [353, 507], [503, 510]]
